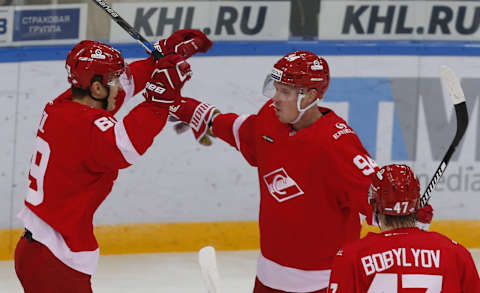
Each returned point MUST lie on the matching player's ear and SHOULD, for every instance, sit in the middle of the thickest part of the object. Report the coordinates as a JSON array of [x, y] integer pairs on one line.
[[94, 85], [96, 88], [313, 94]]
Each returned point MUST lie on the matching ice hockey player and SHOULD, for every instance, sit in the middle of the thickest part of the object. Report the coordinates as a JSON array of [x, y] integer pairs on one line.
[[79, 149], [313, 172], [402, 258]]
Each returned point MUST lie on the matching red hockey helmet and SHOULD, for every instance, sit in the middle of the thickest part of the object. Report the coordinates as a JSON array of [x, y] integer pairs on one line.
[[90, 58], [301, 69], [395, 191]]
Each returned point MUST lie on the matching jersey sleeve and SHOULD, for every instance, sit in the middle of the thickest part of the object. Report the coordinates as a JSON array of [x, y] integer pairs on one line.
[[342, 275], [239, 132], [118, 144], [353, 168], [469, 274], [141, 71]]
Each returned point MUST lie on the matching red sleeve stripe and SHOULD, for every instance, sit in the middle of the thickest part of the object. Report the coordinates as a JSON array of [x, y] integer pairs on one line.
[[124, 144], [236, 128]]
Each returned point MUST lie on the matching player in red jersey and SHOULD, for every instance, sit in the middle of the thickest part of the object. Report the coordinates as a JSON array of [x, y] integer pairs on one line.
[[313, 172], [80, 147], [402, 258]]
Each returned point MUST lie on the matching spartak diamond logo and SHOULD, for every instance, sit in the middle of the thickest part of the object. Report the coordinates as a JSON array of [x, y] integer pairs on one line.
[[281, 186]]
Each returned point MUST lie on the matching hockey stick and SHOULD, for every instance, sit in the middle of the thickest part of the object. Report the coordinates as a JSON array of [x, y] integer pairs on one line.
[[208, 266], [129, 29], [450, 80]]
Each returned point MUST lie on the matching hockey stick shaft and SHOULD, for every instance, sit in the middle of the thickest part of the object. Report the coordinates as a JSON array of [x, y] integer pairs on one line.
[[450, 80], [128, 28]]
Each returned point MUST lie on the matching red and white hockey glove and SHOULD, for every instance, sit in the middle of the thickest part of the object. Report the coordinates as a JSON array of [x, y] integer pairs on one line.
[[424, 217], [168, 78], [185, 42], [197, 115]]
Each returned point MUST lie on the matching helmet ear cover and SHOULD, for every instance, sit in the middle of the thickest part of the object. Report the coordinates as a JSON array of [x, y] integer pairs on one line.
[[395, 191]]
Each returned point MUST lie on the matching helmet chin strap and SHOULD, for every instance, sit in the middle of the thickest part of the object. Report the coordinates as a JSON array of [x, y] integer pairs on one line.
[[103, 100], [301, 111]]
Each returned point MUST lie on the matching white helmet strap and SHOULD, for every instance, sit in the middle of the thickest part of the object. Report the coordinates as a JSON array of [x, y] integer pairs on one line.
[[301, 96]]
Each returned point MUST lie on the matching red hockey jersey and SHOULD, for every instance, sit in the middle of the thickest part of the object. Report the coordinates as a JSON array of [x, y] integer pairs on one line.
[[404, 260], [79, 151], [313, 184]]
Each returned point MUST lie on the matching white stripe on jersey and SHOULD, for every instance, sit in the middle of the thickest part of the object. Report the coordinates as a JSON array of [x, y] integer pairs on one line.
[[82, 261], [124, 143], [128, 86], [236, 127], [276, 276]]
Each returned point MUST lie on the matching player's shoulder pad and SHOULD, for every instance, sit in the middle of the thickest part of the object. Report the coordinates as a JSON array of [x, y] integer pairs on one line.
[[102, 120], [337, 128], [66, 111], [442, 240], [362, 244], [349, 250], [351, 247], [84, 117]]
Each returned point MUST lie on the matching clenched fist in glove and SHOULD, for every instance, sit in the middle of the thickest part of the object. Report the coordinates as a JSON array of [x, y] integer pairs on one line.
[[185, 42], [170, 74], [197, 115], [424, 217]]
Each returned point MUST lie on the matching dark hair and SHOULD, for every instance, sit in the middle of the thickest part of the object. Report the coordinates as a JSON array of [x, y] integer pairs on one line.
[[78, 92], [399, 221]]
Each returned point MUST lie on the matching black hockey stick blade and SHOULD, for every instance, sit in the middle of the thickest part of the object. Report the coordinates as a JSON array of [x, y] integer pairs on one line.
[[128, 28], [450, 80]]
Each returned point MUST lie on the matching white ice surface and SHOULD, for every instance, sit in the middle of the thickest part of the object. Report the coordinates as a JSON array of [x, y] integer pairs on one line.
[[164, 272], [158, 272]]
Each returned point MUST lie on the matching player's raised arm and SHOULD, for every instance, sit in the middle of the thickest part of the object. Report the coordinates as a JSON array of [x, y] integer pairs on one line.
[[119, 144], [185, 42], [206, 121]]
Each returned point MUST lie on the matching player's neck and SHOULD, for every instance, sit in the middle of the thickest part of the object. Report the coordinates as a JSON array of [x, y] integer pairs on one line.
[[386, 228], [88, 101], [309, 117]]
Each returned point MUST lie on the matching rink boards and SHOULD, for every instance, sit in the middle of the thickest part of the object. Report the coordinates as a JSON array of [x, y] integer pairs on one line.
[[179, 237], [181, 196]]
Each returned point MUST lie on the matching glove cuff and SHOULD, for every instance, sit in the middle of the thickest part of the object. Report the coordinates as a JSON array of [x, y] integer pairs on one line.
[[199, 114]]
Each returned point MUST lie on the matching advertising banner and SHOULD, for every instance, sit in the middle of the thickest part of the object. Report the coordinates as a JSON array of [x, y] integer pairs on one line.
[[411, 120], [40, 25], [5, 25], [399, 20], [220, 20], [397, 106]]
